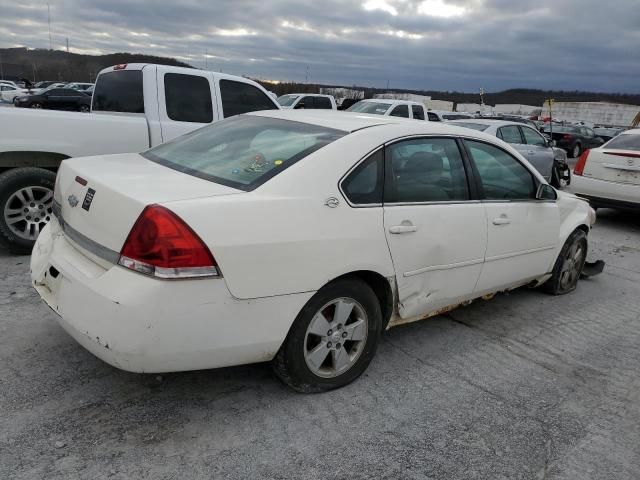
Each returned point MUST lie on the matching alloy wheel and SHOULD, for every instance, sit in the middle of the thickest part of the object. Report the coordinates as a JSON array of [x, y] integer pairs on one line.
[[572, 266], [28, 210], [335, 337]]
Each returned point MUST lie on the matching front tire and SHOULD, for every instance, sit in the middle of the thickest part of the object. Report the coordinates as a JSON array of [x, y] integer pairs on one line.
[[26, 206], [569, 265], [83, 108], [333, 338], [36, 105]]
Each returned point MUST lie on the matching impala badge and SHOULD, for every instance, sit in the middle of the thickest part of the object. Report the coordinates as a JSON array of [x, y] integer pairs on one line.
[[73, 201], [332, 202]]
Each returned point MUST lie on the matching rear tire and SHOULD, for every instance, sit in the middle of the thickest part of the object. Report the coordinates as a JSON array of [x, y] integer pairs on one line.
[[569, 265], [21, 189], [83, 108], [36, 105], [576, 151], [312, 358]]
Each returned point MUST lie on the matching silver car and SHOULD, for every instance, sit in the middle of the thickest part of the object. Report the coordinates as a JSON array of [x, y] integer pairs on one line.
[[550, 161]]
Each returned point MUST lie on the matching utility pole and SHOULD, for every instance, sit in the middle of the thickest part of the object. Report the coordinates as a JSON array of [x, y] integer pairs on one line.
[[481, 101], [550, 102], [306, 75], [206, 59], [1, 69], [67, 44], [49, 23], [388, 85]]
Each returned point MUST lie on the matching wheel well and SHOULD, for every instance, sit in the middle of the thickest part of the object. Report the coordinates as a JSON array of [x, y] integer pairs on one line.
[[584, 228], [380, 286], [48, 160]]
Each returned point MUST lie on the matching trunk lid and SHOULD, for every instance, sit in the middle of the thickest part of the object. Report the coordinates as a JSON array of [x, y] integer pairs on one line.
[[614, 165], [100, 198]]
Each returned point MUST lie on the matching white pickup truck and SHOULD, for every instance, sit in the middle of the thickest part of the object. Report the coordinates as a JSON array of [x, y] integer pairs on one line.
[[134, 107]]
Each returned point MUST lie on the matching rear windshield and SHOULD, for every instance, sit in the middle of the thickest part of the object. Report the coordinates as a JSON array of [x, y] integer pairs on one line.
[[625, 142], [119, 91], [476, 126], [243, 151], [450, 116], [369, 107], [561, 129]]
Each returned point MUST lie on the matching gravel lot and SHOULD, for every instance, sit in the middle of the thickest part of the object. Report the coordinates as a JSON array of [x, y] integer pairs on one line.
[[523, 386]]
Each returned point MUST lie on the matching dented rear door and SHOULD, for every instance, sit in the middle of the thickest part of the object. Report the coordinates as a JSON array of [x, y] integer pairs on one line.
[[436, 234]]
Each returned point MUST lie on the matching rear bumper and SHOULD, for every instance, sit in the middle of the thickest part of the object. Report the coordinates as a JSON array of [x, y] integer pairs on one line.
[[142, 324], [603, 193]]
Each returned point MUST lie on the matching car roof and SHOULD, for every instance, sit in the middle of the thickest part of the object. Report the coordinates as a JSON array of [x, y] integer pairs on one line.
[[632, 131], [352, 121], [308, 94]]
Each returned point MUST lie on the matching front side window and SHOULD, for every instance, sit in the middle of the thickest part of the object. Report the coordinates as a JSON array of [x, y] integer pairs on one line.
[[363, 186], [119, 91], [188, 98], [287, 100], [400, 111], [501, 175], [532, 137], [510, 134], [244, 151], [418, 112], [240, 97], [425, 170]]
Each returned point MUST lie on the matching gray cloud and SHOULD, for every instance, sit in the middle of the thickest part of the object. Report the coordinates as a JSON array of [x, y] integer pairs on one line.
[[495, 44]]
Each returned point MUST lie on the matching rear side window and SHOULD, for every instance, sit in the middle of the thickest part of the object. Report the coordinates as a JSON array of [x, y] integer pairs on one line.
[[418, 112], [239, 97], [364, 185], [510, 134], [433, 117], [321, 103], [400, 111], [625, 142], [425, 170], [119, 91], [244, 151], [502, 176], [188, 98]]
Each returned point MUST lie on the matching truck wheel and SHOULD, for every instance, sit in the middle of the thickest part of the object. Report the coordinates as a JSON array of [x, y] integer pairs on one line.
[[84, 108], [568, 266], [333, 339], [576, 151], [26, 206]]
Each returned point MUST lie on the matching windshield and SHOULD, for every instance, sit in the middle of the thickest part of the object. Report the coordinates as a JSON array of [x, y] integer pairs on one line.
[[369, 107], [243, 151], [476, 126], [625, 142], [287, 100]]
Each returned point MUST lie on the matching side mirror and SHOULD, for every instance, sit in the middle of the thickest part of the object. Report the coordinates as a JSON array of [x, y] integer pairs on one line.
[[546, 192], [552, 143]]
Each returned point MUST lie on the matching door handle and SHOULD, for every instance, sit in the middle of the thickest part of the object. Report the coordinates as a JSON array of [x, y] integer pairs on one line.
[[531, 152], [405, 227], [501, 220]]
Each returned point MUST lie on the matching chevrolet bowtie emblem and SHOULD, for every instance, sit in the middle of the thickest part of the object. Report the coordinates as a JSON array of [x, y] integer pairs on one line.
[[73, 200]]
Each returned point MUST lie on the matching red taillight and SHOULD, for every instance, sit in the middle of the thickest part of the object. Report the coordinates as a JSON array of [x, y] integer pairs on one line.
[[120, 66], [567, 136], [582, 161], [162, 245]]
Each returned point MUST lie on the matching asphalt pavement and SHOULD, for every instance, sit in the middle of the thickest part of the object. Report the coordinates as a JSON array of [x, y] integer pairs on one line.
[[525, 386]]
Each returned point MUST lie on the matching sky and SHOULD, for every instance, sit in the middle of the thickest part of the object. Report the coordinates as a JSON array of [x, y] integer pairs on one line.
[[461, 45]]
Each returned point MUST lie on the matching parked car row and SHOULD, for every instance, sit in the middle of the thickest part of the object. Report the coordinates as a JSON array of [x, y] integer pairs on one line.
[[11, 92]]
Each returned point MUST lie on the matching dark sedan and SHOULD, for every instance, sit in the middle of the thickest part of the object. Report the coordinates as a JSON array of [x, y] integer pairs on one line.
[[56, 99], [574, 140]]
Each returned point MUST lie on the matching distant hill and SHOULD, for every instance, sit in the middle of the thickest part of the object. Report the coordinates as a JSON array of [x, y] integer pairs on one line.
[[59, 65], [62, 66]]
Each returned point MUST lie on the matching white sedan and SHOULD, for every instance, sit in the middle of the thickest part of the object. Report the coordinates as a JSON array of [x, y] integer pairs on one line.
[[609, 176], [296, 237], [9, 93]]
